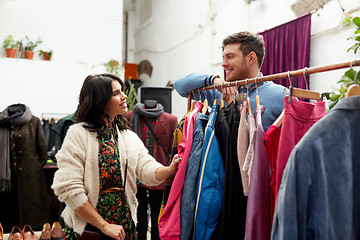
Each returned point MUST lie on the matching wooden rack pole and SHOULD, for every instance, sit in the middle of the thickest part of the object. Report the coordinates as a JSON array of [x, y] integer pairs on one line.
[[276, 76]]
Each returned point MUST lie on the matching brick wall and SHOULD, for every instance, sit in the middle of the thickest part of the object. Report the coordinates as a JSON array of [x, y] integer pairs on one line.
[[81, 31]]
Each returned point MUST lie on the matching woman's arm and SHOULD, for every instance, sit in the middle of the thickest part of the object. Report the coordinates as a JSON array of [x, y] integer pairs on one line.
[[89, 214], [163, 173]]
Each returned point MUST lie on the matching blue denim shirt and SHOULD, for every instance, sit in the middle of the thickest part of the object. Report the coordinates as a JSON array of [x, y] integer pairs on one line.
[[319, 196], [189, 191]]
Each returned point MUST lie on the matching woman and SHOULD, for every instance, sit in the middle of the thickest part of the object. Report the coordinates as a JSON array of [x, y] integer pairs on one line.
[[99, 162]]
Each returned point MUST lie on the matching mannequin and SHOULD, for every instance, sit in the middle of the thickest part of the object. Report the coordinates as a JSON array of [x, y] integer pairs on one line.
[[163, 125], [23, 194], [150, 104]]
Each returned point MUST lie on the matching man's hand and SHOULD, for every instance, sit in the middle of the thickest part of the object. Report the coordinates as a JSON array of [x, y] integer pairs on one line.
[[227, 92]]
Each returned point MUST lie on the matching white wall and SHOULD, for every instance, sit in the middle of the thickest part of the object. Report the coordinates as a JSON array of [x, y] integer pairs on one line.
[[83, 35], [180, 37], [185, 36]]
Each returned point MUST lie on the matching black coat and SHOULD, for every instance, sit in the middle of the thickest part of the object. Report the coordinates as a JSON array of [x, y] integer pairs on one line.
[[28, 201]]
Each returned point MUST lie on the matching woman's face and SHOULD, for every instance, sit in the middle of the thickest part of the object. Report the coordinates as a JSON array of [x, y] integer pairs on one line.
[[117, 104]]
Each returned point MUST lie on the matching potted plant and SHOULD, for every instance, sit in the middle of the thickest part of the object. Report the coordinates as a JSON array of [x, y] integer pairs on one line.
[[29, 47], [10, 47], [47, 54]]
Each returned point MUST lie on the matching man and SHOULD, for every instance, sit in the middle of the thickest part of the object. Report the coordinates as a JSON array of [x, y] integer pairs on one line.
[[243, 55]]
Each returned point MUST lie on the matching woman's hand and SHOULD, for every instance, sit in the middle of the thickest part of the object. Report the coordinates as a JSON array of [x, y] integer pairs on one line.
[[163, 173], [114, 231], [174, 164]]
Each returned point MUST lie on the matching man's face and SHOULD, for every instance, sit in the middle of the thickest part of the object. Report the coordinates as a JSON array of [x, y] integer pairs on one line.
[[234, 63]]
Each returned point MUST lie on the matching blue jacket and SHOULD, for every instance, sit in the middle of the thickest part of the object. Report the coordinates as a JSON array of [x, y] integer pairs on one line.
[[271, 95], [189, 192], [319, 195], [210, 183]]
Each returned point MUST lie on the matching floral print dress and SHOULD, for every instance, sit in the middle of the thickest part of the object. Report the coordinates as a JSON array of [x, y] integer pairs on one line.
[[113, 206]]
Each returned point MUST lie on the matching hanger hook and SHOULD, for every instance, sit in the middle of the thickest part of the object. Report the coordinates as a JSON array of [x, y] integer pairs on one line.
[[288, 72], [193, 93], [306, 82], [257, 93], [205, 92], [247, 87]]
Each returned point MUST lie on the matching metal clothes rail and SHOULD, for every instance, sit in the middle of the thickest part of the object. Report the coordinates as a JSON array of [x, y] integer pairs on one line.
[[276, 76]]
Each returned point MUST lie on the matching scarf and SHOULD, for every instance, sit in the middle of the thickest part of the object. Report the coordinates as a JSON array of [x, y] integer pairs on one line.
[[19, 115], [140, 110]]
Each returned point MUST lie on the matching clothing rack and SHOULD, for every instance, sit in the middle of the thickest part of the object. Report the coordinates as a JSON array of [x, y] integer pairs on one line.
[[53, 116], [277, 76]]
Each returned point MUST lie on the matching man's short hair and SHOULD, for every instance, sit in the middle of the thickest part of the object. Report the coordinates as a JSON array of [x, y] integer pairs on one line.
[[248, 42]]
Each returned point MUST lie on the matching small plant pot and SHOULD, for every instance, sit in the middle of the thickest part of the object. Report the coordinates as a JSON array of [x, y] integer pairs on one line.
[[47, 56], [29, 54], [10, 52]]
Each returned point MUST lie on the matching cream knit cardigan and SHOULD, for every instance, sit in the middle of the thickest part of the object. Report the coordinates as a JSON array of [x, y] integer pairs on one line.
[[77, 179]]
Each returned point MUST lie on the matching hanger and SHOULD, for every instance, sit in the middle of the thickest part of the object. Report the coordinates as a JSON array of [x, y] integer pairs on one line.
[[280, 118], [352, 90], [206, 103], [193, 103], [215, 100], [304, 93], [222, 100], [247, 98], [231, 99], [239, 96], [257, 100]]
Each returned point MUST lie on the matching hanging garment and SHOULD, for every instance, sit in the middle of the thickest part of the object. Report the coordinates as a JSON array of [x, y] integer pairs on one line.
[[271, 141], [298, 118], [233, 210], [178, 133], [60, 128], [319, 195], [27, 201], [210, 183], [258, 207], [49, 133], [189, 192], [250, 151], [169, 224], [242, 146]]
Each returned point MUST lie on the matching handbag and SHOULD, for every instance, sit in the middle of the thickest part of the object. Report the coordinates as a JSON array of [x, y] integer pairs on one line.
[[150, 127]]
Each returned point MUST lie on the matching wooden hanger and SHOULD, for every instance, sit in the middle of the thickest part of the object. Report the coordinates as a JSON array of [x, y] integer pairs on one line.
[[248, 99], [303, 93], [229, 101], [257, 100], [206, 103], [193, 103], [279, 120], [221, 103], [205, 106], [353, 90]]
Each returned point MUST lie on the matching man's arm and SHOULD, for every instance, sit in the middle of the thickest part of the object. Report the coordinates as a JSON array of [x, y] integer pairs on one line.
[[192, 81]]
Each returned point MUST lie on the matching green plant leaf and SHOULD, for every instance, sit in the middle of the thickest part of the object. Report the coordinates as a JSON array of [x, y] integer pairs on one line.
[[356, 21], [342, 90], [334, 97]]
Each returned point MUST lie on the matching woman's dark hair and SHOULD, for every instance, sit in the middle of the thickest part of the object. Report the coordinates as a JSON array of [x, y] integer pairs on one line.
[[95, 93]]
